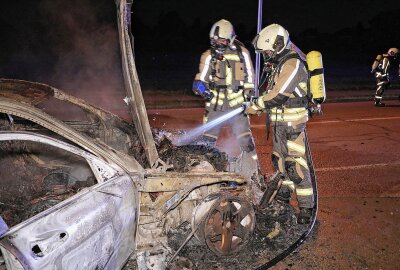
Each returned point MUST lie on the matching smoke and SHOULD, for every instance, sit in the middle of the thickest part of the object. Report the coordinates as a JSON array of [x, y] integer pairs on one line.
[[85, 42], [194, 133], [228, 143]]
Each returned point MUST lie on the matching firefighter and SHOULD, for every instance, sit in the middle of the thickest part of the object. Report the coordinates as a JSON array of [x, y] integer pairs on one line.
[[381, 68], [226, 80], [285, 99]]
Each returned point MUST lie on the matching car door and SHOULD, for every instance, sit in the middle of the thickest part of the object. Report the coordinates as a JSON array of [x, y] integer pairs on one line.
[[93, 229]]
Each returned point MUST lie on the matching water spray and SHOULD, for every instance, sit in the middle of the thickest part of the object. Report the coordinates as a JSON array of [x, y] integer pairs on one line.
[[193, 134]]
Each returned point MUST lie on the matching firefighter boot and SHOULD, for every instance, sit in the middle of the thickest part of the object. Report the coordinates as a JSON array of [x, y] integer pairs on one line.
[[379, 103], [304, 216]]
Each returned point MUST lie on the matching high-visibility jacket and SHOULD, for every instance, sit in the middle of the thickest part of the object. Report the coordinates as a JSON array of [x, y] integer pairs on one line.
[[286, 95], [231, 78], [382, 65]]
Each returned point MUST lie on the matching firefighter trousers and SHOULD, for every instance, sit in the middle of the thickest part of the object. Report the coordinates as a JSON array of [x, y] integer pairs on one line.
[[381, 86], [290, 158]]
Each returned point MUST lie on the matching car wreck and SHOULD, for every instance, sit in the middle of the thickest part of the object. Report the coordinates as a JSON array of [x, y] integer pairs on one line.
[[95, 193]]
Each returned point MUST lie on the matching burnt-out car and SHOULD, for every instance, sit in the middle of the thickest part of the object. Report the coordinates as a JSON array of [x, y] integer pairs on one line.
[[68, 198], [91, 190], [82, 192]]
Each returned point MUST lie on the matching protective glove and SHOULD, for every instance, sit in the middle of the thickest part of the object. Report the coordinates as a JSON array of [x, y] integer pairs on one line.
[[252, 110], [252, 107], [200, 88]]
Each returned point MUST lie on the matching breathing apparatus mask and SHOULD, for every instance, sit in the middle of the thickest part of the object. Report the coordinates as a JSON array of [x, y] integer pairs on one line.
[[218, 47]]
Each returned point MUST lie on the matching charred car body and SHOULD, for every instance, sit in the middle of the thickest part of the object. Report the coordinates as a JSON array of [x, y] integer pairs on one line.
[[75, 200]]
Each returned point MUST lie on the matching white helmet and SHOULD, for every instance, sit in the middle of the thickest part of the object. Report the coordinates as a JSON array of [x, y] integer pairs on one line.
[[223, 29], [393, 52], [272, 38]]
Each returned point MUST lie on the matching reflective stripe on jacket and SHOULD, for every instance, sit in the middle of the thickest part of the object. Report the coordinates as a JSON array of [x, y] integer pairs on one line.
[[229, 79]]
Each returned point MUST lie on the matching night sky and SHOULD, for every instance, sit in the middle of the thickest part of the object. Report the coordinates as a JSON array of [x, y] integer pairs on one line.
[[73, 44], [296, 16]]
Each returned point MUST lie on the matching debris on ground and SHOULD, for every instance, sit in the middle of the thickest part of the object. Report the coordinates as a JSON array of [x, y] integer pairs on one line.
[[279, 220]]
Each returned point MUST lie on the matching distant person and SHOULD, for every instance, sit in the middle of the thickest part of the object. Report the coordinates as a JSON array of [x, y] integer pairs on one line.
[[226, 80], [285, 99], [381, 68]]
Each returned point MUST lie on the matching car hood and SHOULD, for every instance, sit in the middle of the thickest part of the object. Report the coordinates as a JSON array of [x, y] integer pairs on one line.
[[21, 105]]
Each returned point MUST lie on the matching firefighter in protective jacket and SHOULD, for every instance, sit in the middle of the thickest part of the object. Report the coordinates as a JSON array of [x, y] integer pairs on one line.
[[226, 80], [381, 68], [285, 99]]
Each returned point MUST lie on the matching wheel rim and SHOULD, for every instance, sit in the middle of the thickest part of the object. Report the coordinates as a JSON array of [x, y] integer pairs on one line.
[[229, 225]]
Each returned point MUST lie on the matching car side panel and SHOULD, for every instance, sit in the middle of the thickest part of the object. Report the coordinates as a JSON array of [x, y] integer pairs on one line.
[[96, 230]]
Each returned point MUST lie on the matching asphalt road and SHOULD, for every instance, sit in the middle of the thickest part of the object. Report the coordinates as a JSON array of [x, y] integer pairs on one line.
[[356, 153]]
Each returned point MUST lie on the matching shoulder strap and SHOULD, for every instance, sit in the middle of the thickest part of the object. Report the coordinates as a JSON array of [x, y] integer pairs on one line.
[[239, 45]]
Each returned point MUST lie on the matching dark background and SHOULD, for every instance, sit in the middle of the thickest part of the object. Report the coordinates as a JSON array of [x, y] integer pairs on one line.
[[73, 44]]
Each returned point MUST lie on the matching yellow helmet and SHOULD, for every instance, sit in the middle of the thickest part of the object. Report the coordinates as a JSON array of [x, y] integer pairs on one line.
[[223, 29], [272, 38]]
